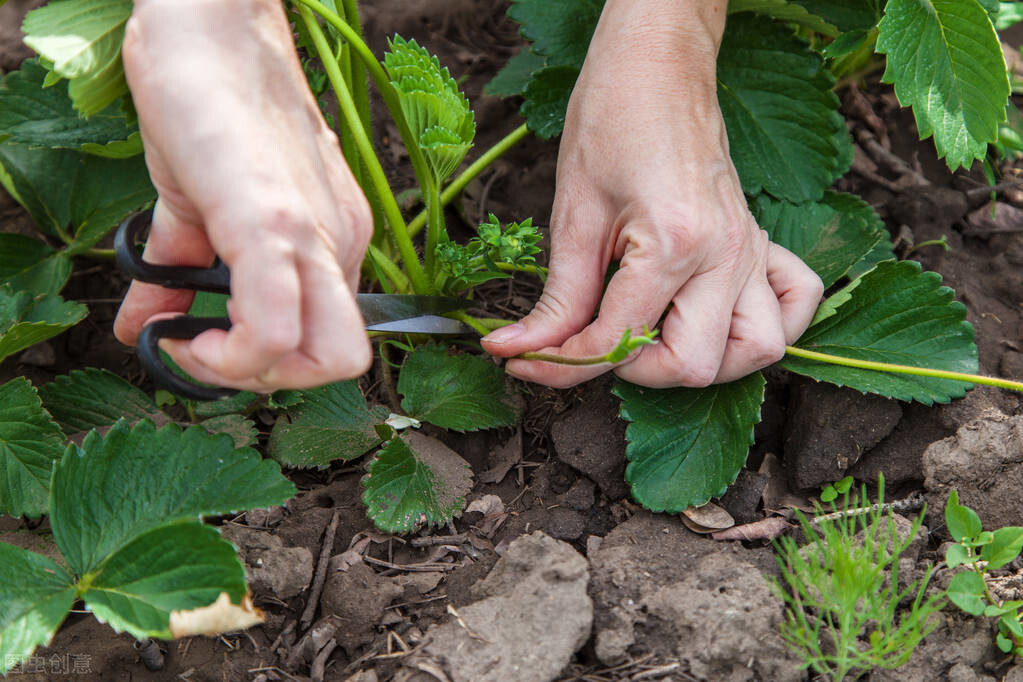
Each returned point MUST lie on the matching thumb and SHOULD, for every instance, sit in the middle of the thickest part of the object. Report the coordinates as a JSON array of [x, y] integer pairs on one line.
[[574, 284]]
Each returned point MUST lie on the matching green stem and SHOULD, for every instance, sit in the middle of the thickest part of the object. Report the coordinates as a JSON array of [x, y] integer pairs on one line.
[[435, 231], [63, 234], [387, 266], [537, 270], [480, 328], [360, 89], [492, 323], [904, 369], [383, 83], [98, 254], [562, 359], [467, 176], [398, 229]]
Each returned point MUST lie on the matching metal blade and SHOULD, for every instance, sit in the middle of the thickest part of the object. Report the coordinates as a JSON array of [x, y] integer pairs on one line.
[[380, 308], [424, 324]]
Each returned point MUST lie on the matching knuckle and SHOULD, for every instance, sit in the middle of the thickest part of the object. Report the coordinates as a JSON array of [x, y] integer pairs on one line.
[[276, 340], [694, 376], [768, 351]]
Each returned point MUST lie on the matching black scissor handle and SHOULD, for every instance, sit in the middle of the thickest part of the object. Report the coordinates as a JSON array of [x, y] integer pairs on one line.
[[178, 328], [216, 279]]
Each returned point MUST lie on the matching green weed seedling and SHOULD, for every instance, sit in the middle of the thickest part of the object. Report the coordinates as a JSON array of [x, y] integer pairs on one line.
[[841, 591], [831, 491], [71, 155], [982, 552]]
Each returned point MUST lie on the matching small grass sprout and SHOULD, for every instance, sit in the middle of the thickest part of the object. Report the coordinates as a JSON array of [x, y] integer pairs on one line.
[[841, 590]]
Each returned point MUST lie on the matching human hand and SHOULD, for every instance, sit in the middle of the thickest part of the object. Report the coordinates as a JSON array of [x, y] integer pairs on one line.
[[247, 169], [644, 177]]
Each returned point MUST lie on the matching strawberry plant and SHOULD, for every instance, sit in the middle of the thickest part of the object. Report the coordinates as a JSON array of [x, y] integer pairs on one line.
[[70, 154]]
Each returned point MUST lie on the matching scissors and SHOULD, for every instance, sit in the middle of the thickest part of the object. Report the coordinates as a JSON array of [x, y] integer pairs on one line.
[[395, 313]]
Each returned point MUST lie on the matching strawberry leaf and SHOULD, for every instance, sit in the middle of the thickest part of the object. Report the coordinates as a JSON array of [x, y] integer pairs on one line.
[[132, 480], [415, 480], [28, 264], [830, 235], [175, 567], [686, 445], [784, 10], [82, 40], [897, 314], [35, 596], [93, 398], [784, 130], [34, 115], [26, 321], [945, 61], [332, 422], [461, 392], [29, 443]]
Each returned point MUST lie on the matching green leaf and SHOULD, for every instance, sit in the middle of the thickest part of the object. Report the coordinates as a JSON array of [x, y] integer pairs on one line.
[[547, 97], [26, 321], [884, 250], [962, 522], [174, 567], [898, 315], [686, 445], [37, 116], [29, 443], [137, 478], [516, 74], [1003, 643], [848, 43], [437, 113], [1009, 14], [461, 392], [966, 590], [847, 15], [332, 422], [82, 40], [415, 480], [242, 431], [29, 265], [560, 31], [1006, 546], [956, 555], [61, 188], [784, 10], [784, 130], [945, 61], [35, 596], [1010, 621], [830, 236], [93, 398]]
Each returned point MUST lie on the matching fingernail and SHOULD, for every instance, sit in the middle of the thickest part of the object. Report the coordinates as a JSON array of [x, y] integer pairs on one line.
[[505, 334]]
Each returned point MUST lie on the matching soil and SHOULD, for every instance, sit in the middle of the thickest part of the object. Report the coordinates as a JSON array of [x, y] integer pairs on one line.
[[555, 573]]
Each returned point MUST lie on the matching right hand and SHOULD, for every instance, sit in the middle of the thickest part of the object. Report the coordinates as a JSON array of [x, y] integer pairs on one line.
[[246, 169]]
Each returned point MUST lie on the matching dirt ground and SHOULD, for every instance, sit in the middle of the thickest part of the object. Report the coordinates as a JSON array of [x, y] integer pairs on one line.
[[560, 576]]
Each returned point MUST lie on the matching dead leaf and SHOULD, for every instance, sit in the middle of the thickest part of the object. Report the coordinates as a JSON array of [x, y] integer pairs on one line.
[[344, 560], [422, 582], [777, 494], [764, 529], [504, 458], [707, 518], [219, 617], [486, 505]]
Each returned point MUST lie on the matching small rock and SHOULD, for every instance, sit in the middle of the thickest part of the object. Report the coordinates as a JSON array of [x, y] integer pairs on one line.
[[358, 598], [264, 518], [984, 462], [273, 568], [565, 524], [591, 439], [533, 615], [39, 355], [580, 496], [743, 497], [829, 428]]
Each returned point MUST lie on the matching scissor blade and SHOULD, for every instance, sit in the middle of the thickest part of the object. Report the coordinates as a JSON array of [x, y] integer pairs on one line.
[[379, 309], [424, 324]]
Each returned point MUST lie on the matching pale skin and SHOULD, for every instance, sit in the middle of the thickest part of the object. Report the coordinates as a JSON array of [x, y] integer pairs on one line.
[[247, 169]]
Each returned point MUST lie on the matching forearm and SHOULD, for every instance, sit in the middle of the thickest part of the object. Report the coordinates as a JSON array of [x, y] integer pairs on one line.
[[683, 33]]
